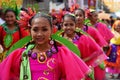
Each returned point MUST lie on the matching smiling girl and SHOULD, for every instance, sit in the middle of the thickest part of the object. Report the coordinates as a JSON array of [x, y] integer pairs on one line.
[[91, 52], [42, 60], [10, 31]]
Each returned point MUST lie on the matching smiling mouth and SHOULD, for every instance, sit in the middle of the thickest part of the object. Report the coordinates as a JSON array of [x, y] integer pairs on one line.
[[39, 39], [68, 31]]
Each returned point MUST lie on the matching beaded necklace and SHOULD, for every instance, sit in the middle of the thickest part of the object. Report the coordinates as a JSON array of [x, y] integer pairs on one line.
[[7, 30], [76, 37], [96, 25], [42, 57]]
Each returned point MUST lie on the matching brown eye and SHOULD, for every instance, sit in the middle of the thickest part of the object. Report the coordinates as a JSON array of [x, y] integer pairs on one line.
[[35, 29], [45, 29], [71, 24], [76, 15], [65, 24]]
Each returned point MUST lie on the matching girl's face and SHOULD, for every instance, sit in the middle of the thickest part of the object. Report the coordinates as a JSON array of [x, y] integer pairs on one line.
[[79, 16], [68, 26], [117, 28], [40, 30], [10, 18], [94, 17]]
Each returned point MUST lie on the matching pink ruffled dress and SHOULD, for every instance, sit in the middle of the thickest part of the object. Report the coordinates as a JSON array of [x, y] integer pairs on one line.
[[62, 65], [104, 31], [90, 49], [95, 35]]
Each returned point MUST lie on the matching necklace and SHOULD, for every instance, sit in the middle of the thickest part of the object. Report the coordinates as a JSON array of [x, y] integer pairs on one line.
[[8, 31], [76, 37], [96, 25], [42, 56]]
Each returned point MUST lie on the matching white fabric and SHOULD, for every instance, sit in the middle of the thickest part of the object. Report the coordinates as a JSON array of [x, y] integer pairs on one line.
[[1, 21]]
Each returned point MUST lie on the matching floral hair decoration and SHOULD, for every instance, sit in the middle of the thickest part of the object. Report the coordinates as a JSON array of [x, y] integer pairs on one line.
[[25, 16], [11, 4]]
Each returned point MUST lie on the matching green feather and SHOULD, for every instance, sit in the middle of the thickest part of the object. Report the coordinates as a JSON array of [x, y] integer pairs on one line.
[[19, 44], [17, 10], [64, 41], [57, 38], [81, 31], [3, 5], [87, 22], [11, 4], [59, 32], [67, 43]]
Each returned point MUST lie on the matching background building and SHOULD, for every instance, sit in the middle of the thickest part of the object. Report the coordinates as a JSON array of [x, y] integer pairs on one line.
[[47, 5]]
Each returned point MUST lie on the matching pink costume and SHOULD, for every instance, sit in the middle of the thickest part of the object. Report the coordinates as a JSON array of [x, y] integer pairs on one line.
[[62, 65], [107, 35], [104, 31], [95, 35], [89, 49]]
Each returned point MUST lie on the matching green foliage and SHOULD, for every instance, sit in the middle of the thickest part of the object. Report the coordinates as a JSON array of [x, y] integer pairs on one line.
[[67, 43], [55, 37]]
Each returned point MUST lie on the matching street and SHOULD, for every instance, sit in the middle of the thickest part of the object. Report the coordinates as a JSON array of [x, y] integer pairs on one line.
[[107, 77]]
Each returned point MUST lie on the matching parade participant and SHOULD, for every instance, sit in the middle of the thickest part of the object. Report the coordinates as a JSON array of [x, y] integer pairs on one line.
[[80, 17], [113, 62], [56, 22], [41, 59], [10, 31], [91, 53], [101, 27], [57, 18], [111, 20]]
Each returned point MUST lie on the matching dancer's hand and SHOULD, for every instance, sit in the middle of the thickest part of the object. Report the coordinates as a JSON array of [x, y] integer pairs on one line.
[[1, 49]]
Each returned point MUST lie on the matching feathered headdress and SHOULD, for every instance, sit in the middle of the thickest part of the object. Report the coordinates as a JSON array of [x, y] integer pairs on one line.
[[25, 16], [12, 5], [74, 7], [88, 12], [57, 15]]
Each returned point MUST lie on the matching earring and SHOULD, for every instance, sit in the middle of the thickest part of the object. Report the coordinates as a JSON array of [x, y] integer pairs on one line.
[[51, 42], [32, 41]]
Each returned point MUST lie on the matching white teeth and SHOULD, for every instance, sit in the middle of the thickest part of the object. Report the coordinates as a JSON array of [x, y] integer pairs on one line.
[[69, 31], [39, 39]]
